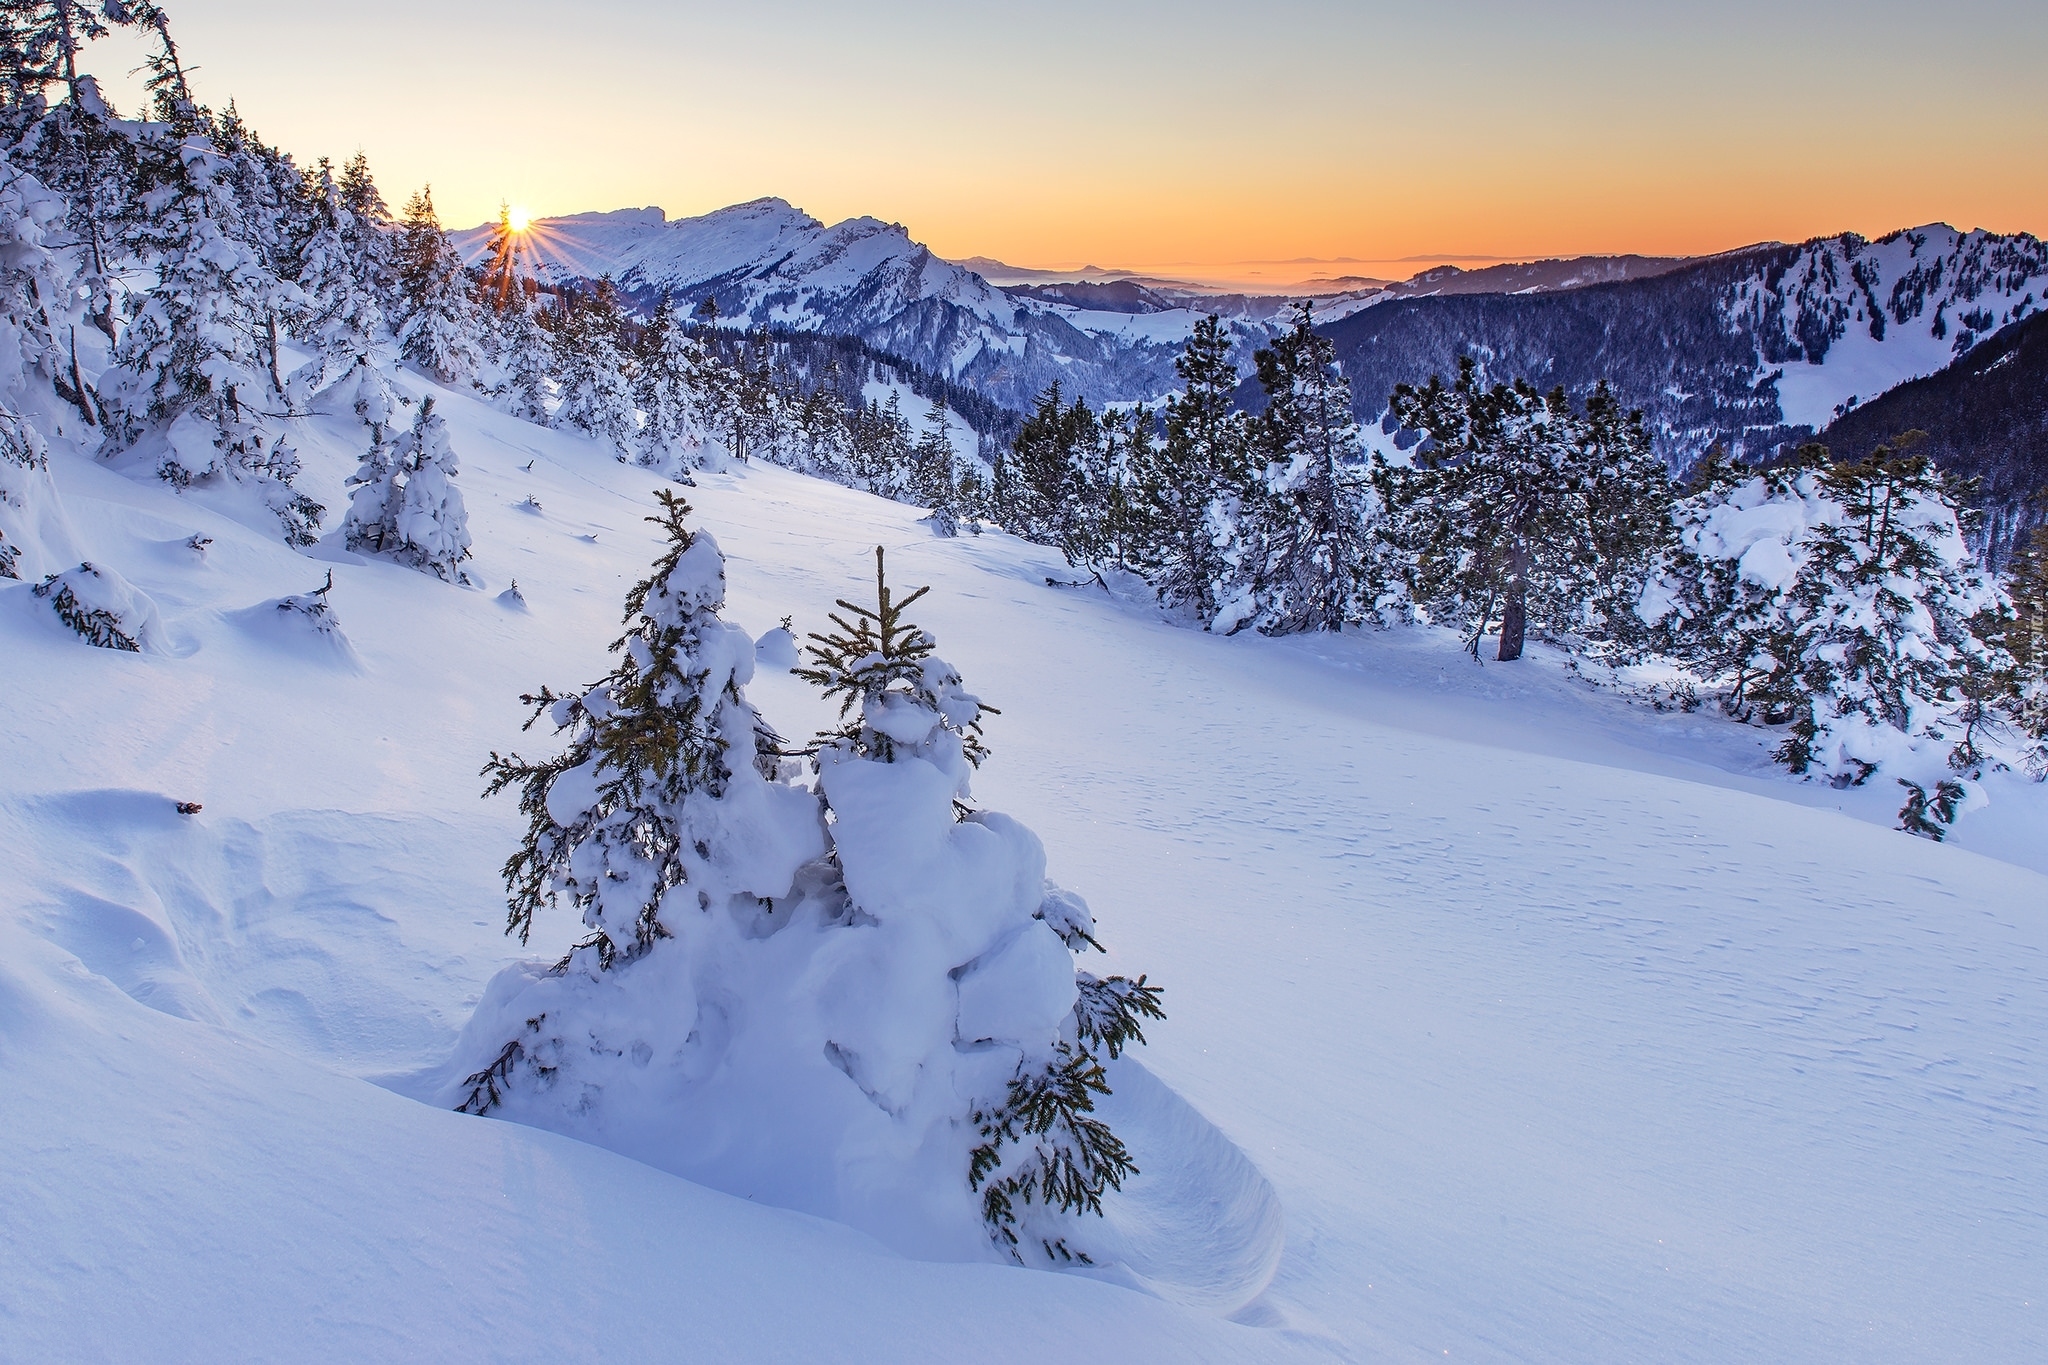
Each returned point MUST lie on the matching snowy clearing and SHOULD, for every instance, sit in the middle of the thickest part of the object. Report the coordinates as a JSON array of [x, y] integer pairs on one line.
[[1561, 1030]]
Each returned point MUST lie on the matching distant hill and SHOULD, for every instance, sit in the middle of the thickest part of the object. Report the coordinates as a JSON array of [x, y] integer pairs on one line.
[[1752, 348], [1532, 277], [1986, 417]]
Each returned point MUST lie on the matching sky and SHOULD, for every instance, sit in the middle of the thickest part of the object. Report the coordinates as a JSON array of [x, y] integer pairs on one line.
[[1346, 137]]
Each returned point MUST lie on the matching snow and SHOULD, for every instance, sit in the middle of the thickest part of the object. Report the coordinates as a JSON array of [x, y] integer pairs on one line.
[[1506, 1020]]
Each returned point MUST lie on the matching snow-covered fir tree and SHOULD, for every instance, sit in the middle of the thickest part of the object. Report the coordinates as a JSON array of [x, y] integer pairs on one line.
[[1524, 509], [438, 321], [933, 882], [1880, 613], [1840, 600], [526, 358], [2026, 640], [1190, 483], [760, 992], [338, 310], [593, 368], [934, 483], [665, 388], [1307, 554], [200, 393], [37, 299], [406, 504], [1045, 481]]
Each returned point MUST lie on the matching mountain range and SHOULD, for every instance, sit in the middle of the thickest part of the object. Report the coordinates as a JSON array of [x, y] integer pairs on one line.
[[1750, 348]]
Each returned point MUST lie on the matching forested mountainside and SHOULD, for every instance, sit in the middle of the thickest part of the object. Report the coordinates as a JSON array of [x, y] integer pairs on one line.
[[1750, 349], [1986, 417]]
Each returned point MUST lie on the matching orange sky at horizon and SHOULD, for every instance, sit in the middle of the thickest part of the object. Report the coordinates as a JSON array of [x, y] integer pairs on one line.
[[1142, 135]]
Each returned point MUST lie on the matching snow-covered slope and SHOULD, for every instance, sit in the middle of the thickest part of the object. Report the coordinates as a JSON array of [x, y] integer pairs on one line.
[[1562, 1030]]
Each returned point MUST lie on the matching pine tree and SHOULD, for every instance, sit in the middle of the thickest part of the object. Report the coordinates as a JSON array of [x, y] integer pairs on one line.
[[895, 774], [2026, 638], [500, 283], [667, 723], [1524, 507], [438, 322], [1308, 555], [1189, 485], [527, 355], [199, 352], [593, 368], [665, 390], [1042, 482], [934, 484], [40, 41], [368, 228], [406, 504], [1880, 635], [337, 309]]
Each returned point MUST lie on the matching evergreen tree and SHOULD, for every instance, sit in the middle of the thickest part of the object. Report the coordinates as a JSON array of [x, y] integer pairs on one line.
[[406, 504], [1189, 485], [500, 283], [337, 309], [934, 878], [368, 228], [1840, 600], [37, 299], [527, 355], [40, 41], [438, 323], [933, 482], [198, 356], [593, 368], [1308, 556], [2026, 639], [1525, 507], [665, 390], [1880, 613], [1042, 483]]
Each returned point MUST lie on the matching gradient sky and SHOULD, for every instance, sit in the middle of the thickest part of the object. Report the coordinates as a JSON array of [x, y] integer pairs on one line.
[[1138, 132]]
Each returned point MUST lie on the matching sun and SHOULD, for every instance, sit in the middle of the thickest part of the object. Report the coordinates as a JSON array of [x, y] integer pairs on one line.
[[519, 218]]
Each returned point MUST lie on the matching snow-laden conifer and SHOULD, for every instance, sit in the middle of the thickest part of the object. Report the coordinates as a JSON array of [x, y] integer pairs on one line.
[[2026, 638], [337, 309], [1840, 600], [438, 321], [104, 608], [594, 371], [406, 504], [970, 985], [1189, 484], [526, 359], [1309, 554], [37, 376], [665, 388], [877, 1020], [199, 393]]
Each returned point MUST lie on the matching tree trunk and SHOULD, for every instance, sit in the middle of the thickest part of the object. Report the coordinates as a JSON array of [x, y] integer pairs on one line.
[[1514, 613]]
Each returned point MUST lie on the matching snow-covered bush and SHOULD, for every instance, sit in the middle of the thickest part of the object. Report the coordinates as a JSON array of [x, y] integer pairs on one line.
[[872, 1015], [1836, 599], [104, 608], [406, 504]]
